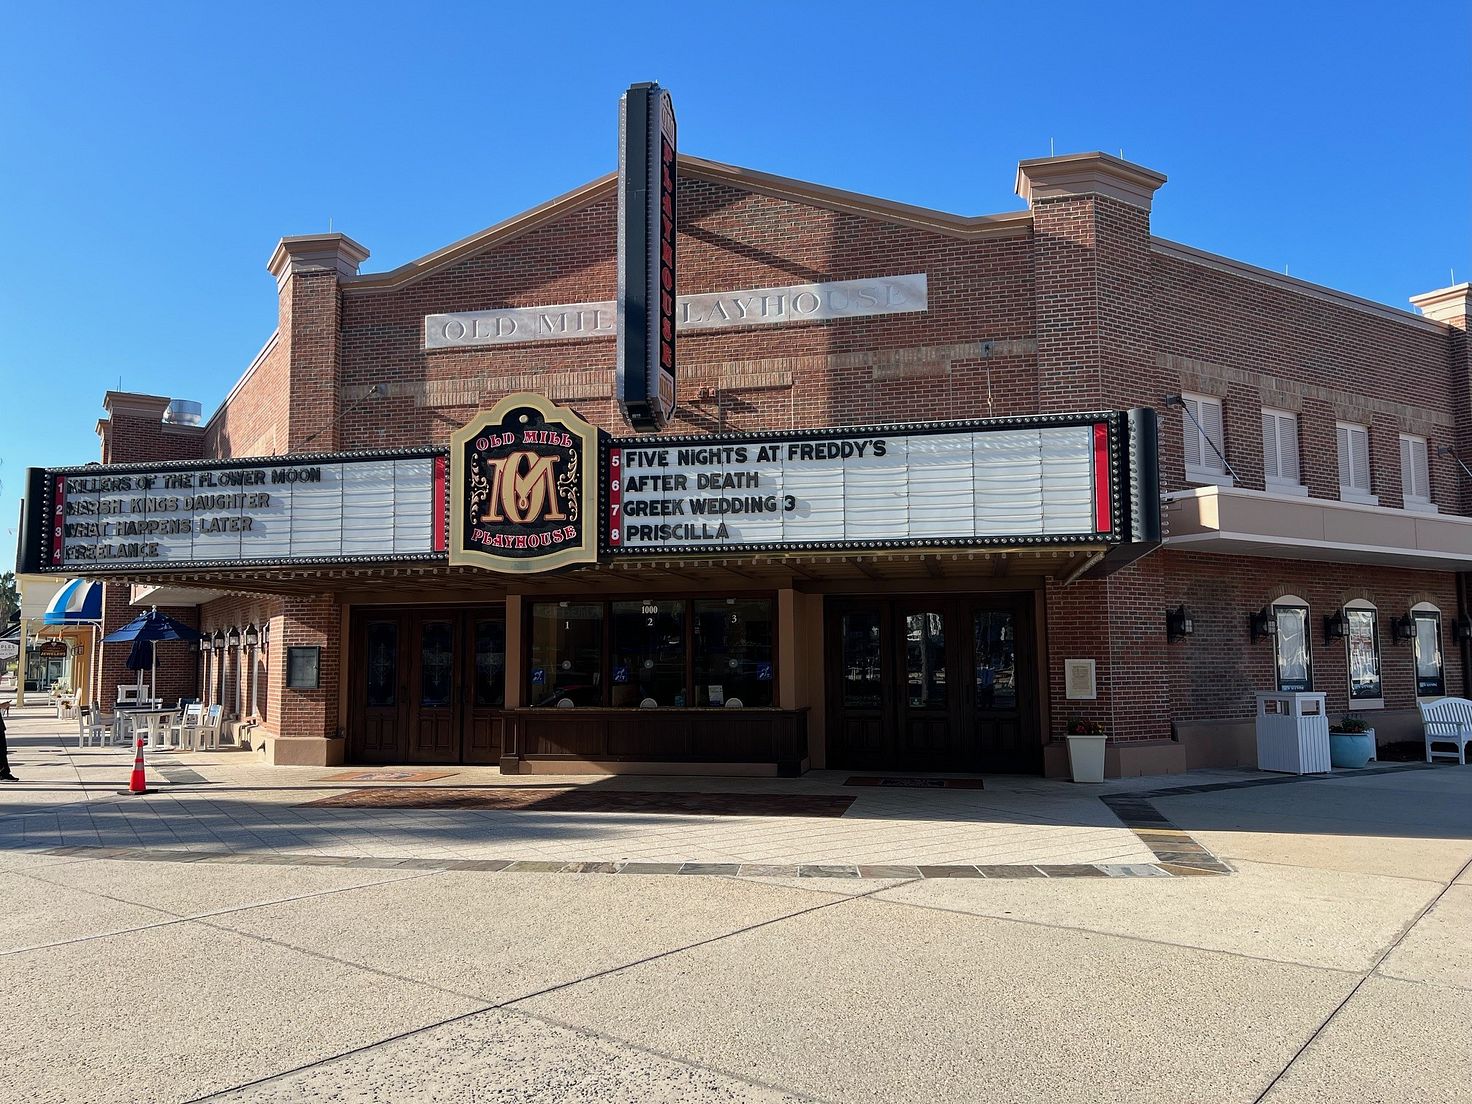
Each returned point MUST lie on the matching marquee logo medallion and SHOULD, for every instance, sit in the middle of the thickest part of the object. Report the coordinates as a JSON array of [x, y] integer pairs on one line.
[[524, 488]]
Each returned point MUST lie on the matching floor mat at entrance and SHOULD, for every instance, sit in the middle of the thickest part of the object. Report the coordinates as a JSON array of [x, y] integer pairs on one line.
[[580, 800], [386, 776], [917, 783]]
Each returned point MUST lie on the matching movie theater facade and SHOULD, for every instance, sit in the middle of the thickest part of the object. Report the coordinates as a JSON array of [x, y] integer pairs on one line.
[[933, 488]]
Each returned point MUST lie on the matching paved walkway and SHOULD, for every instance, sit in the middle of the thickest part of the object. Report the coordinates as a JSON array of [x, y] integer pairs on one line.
[[226, 802], [1334, 963]]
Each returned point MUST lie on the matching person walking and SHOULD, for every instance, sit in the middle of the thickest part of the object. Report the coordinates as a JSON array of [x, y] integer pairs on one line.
[[5, 775]]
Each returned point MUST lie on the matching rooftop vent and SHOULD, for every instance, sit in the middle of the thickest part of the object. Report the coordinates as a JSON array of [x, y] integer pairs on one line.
[[184, 412]]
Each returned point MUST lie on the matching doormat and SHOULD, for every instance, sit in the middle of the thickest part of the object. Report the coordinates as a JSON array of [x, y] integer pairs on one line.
[[586, 800], [917, 783], [387, 776]]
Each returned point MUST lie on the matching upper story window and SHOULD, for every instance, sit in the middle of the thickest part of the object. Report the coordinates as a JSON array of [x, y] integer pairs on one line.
[[1204, 446], [1415, 474], [1280, 452], [1354, 464]]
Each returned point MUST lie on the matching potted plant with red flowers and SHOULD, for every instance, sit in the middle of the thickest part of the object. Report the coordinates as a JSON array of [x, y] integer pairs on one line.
[[1351, 742], [1086, 740]]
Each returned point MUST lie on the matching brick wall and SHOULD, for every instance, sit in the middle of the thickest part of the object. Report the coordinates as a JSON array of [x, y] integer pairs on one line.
[[1082, 311], [228, 674]]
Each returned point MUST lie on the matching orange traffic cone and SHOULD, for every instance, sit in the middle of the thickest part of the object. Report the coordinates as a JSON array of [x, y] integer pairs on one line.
[[137, 781]]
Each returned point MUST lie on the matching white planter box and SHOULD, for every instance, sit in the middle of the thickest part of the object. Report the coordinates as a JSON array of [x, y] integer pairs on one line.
[[1292, 733], [1086, 757]]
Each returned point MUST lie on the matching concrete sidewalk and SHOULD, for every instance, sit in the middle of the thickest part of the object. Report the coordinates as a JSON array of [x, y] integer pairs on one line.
[[1324, 968]]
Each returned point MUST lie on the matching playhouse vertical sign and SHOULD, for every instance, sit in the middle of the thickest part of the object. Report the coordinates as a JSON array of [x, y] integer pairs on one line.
[[646, 255]]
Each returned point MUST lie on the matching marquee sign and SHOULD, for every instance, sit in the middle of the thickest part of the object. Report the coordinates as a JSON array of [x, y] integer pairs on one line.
[[1045, 480], [525, 488], [342, 508], [646, 255]]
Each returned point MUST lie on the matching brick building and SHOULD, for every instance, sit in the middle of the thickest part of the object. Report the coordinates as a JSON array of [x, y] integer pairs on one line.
[[1313, 507]]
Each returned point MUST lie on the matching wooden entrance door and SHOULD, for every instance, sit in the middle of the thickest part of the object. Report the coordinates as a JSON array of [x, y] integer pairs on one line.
[[933, 684], [927, 688], [1003, 688], [377, 690], [427, 685]]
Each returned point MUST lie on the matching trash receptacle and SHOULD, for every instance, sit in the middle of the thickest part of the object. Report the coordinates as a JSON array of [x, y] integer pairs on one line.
[[1292, 732]]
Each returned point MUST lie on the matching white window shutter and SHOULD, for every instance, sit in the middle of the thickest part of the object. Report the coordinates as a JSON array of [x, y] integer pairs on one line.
[[1211, 421], [1361, 438], [1288, 447], [1415, 474], [1346, 470], [1191, 435], [1272, 467]]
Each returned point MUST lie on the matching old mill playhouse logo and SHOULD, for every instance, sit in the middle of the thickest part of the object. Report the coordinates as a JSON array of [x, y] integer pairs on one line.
[[524, 488]]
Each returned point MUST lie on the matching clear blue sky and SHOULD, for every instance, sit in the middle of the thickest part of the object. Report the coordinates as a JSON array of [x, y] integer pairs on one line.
[[151, 154]]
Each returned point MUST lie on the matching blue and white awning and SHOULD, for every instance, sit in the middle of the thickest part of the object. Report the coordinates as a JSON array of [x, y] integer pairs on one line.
[[77, 602]]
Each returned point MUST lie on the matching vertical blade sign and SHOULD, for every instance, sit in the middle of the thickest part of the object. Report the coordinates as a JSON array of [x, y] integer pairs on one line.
[[646, 256]]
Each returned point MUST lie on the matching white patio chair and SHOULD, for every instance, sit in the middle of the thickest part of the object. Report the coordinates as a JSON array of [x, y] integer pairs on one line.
[[208, 735], [185, 729], [91, 726]]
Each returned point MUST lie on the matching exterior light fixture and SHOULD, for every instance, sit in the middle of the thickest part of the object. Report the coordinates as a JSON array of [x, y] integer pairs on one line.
[[1179, 623], [206, 643], [1462, 628], [1335, 626], [1402, 628], [1263, 624], [233, 638], [266, 635], [219, 641], [251, 636]]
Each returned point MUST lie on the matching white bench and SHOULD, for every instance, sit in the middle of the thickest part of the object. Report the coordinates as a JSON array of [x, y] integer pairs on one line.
[[1447, 721]]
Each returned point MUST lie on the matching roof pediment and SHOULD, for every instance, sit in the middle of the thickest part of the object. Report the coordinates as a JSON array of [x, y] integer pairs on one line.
[[964, 227]]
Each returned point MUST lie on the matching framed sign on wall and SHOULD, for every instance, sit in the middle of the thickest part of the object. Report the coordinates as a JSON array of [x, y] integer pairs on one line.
[[304, 668]]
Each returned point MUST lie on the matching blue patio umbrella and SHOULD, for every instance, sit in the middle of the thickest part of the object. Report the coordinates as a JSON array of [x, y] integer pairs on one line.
[[146, 630]]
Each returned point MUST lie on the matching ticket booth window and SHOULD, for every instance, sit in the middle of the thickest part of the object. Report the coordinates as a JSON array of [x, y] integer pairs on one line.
[[566, 662], [733, 652], [648, 653]]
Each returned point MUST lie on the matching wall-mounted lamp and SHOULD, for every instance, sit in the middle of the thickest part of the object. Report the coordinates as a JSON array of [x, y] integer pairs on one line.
[[1335, 626], [1179, 623], [219, 642], [1402, 628], [1263, 624], [251, 636], [206, 643], [233, 637], [266, 635], [1462, 628]]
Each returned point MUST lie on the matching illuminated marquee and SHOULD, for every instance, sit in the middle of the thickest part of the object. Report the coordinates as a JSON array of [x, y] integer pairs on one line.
[[1048, 480], [331, 508]]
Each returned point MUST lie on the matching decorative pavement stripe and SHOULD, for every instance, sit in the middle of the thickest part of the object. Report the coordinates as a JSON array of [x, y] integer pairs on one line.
[[731, 870], [917, 783], [1176, 851]]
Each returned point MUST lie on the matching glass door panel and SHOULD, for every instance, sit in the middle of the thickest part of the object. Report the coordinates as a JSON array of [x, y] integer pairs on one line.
[[994, 634]]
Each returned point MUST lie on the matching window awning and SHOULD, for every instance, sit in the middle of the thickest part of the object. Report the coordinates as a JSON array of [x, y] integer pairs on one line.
[[1239, 522], [78, 601]]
